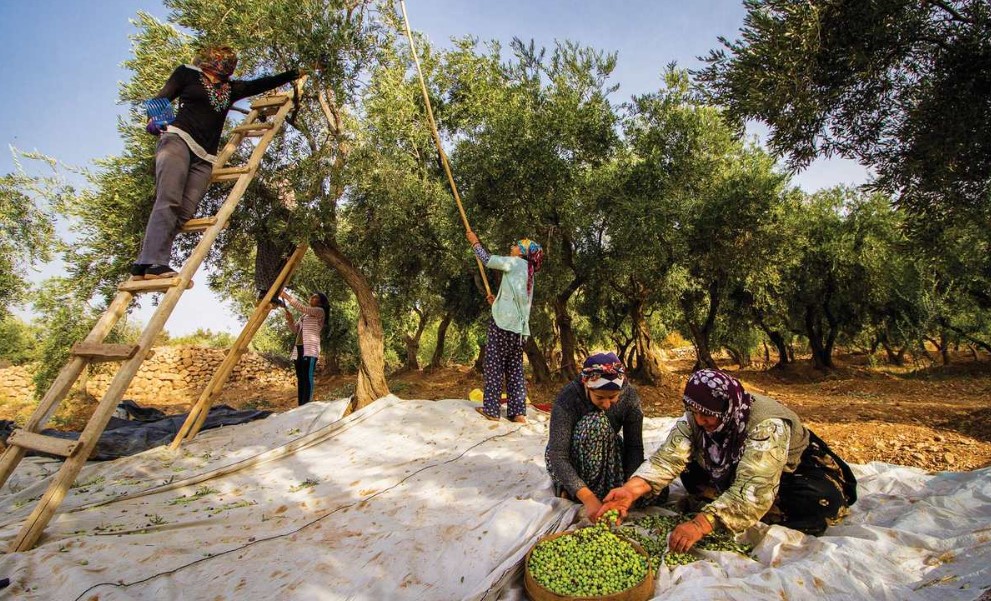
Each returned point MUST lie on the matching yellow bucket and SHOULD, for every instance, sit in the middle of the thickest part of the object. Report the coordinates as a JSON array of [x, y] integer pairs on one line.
[[477, 395]]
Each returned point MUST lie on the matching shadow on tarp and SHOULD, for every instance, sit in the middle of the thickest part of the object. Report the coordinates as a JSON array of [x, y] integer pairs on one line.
[[144, 428]]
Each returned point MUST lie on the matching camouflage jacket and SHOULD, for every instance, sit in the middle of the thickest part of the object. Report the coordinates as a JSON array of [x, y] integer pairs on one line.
[[752, 492]]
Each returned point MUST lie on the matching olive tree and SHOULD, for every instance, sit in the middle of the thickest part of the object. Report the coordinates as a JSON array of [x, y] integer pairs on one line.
[[900, 86]]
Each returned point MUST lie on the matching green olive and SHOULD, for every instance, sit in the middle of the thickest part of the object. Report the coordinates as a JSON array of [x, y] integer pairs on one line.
[[588, 562], [652, 534]]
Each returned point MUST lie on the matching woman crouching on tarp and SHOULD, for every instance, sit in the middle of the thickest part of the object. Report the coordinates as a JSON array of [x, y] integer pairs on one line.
[[750, 457], [586, 456]]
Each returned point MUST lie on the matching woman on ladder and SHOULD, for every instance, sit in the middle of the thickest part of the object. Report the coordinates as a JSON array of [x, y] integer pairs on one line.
[[509, 326], [185, 153]]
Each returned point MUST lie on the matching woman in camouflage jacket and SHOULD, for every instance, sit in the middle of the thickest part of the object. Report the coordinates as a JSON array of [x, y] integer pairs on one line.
[[750, 456]]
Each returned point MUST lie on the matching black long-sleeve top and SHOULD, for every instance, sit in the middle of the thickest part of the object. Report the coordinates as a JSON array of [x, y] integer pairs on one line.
[[196, 115], [571, 405]]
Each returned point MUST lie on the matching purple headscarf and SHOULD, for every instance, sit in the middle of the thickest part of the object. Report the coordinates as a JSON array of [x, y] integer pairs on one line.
[[717, 394]]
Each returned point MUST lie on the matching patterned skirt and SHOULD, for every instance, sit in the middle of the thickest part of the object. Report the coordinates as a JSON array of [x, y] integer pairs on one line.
[[596, 454]]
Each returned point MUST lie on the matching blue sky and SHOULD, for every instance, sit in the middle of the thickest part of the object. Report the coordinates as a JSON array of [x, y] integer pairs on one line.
[[62, 60]]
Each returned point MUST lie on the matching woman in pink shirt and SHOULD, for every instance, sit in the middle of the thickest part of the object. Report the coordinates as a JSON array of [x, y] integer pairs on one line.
[[306, 348]]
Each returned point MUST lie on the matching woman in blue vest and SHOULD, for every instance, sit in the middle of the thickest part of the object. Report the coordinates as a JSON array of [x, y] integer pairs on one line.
[[509, 326]]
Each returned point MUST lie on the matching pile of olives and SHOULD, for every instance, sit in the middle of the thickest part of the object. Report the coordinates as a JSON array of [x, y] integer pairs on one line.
[[589, 562], [652, 531]]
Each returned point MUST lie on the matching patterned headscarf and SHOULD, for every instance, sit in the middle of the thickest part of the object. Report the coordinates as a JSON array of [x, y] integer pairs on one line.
[[603, 371], [219, 61], [534, 255], [715, 393]]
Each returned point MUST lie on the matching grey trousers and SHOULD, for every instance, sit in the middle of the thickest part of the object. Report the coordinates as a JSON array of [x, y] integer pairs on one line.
[[181, 180]]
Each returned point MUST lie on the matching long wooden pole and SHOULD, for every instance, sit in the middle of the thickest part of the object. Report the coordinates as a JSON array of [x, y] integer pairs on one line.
[[436, 136]]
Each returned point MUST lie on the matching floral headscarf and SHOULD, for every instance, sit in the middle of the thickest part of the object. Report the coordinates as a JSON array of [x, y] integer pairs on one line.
[[603, 371], [715, 393], [219, 61], [534, 255]]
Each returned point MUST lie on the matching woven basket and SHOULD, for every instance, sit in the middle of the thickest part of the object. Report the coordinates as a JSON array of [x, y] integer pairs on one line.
[[537, 592]]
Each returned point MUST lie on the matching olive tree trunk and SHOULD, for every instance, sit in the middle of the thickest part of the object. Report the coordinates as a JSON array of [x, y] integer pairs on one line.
[[371, 383], [437, 360]]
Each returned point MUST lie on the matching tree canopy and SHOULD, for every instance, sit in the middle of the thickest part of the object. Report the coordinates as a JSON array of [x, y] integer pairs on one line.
[[902, 86], [28, 205], [658, 215]]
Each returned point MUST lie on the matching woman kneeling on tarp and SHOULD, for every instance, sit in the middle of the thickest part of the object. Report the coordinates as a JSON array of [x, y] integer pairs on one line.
[[747, 454], [585, 454]]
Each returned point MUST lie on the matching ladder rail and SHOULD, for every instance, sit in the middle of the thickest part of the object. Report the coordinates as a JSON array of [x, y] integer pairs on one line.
[[234, 140], [236, 137], [63, 383], [66, 475], [67, 377], [211, 233]]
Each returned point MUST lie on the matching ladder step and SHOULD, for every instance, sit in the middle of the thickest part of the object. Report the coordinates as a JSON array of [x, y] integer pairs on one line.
[[225, 174], [97, 352], [273, 101], [255, 126], [44, 444], [157, 285], [198, 225]]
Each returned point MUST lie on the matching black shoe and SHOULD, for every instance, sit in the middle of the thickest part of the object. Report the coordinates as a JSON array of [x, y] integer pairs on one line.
[[138, 271], [159, 272]]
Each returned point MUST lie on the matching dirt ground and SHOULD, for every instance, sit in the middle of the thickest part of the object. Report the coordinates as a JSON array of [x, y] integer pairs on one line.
[[935, 418]]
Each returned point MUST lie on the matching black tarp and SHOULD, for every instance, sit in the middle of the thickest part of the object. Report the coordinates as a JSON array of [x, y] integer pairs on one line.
[[144, 428]]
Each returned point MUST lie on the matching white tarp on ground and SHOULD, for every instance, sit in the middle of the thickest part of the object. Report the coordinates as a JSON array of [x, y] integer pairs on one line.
[[424, 500]]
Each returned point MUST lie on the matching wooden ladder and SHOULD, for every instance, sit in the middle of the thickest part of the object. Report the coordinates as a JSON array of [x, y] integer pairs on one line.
[[197, 415], [267, 115]]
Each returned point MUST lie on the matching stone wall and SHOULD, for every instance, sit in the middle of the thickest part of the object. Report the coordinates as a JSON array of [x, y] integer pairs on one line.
[[171, 374], [15, 383]]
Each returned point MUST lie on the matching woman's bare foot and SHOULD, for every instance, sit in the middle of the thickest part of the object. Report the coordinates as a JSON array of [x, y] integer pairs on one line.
[[486, 415], [518, 419]]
